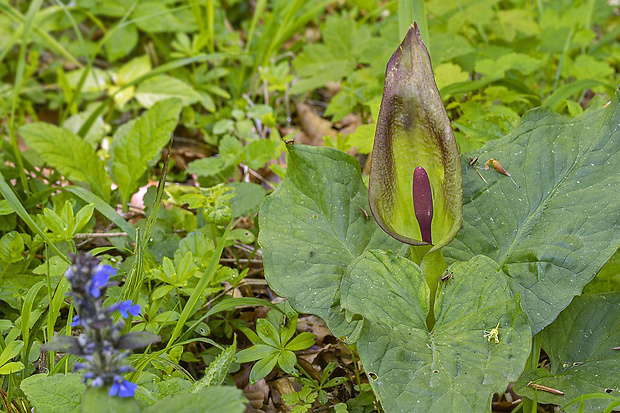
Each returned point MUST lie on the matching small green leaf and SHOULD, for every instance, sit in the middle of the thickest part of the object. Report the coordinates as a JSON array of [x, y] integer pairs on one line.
[[267, 332], [301, 342], [133, 151], [68, 153], [163, 87], [287, 361], [255, 352], [12, 367], [10, 351], [11, 247], [263, 367], [218, 369]]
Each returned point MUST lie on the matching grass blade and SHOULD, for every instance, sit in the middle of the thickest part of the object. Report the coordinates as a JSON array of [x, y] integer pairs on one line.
[[190, 306], [19, 209]]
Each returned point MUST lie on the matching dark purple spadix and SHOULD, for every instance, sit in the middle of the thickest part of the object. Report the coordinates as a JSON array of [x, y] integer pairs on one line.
[[423, 203]]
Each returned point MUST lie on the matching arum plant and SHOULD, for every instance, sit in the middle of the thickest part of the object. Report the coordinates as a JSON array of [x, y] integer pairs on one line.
[[416, 187], [431, 338]]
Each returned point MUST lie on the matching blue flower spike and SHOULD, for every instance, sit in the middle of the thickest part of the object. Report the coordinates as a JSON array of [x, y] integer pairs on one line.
[[122, 388], [128, 307], [101, 344], [101, 276]]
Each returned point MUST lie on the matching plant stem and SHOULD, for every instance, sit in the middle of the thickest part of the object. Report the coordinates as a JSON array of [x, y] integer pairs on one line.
[[357, 371], [433, 265]]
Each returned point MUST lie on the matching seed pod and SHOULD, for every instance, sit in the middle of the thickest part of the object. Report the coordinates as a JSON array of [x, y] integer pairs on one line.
[[414, 134]]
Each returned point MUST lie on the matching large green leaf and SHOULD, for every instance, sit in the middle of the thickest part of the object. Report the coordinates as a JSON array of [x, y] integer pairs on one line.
[[553, 233], [313, 226], [164, 87], [216, 399], [98, 400], [133, 150], [454, 368], [580, 344], [68, 153], [61, 393]]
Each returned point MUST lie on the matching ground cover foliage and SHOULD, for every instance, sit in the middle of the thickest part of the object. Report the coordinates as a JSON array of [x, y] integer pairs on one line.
[[185, 144]]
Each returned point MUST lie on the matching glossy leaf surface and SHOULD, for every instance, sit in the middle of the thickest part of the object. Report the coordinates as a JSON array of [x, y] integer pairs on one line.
[[553, 234], [580, 344], [454, 368], [313, 226]]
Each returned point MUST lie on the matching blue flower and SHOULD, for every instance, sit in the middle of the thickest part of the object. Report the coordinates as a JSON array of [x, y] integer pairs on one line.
[[100, 279], [122, 387], [75, 321], [125, 308]]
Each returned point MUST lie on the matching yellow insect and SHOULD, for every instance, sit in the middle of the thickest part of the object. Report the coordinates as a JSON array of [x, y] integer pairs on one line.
[[493, 334], [499, 168], [545, 388]]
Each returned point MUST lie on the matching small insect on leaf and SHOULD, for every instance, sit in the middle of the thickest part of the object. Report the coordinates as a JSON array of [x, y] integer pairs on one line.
[[473, 162], [493, 334], [446, 276], [366, 216], [545, 388], [499, 168]]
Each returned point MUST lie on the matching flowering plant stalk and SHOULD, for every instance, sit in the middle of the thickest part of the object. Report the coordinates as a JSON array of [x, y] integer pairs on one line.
[[100, 343]]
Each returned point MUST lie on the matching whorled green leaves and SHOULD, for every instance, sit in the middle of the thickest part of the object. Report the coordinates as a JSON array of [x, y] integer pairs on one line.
[[313, 226], [580, 344], [478, 345], [553, 233], [414, 134]]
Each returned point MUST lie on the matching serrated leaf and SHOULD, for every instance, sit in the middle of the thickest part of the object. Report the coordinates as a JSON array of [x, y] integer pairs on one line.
[[98, 400], [61, 393], [217, 399], [72, 156], [580, 346], [313, 226], [218, 369], [455, 367], [135, 149], [552, 234], [164, 87]]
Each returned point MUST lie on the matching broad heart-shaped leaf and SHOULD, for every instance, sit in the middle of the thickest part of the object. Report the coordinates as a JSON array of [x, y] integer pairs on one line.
[[459, 365], [553, 234], [133, 150], [70, 154], [580, 344], [216, 399], [98, 400], [313, 226], [61, 393]]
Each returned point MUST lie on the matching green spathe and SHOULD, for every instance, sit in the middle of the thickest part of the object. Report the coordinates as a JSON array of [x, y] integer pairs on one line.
[[413, 130]]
